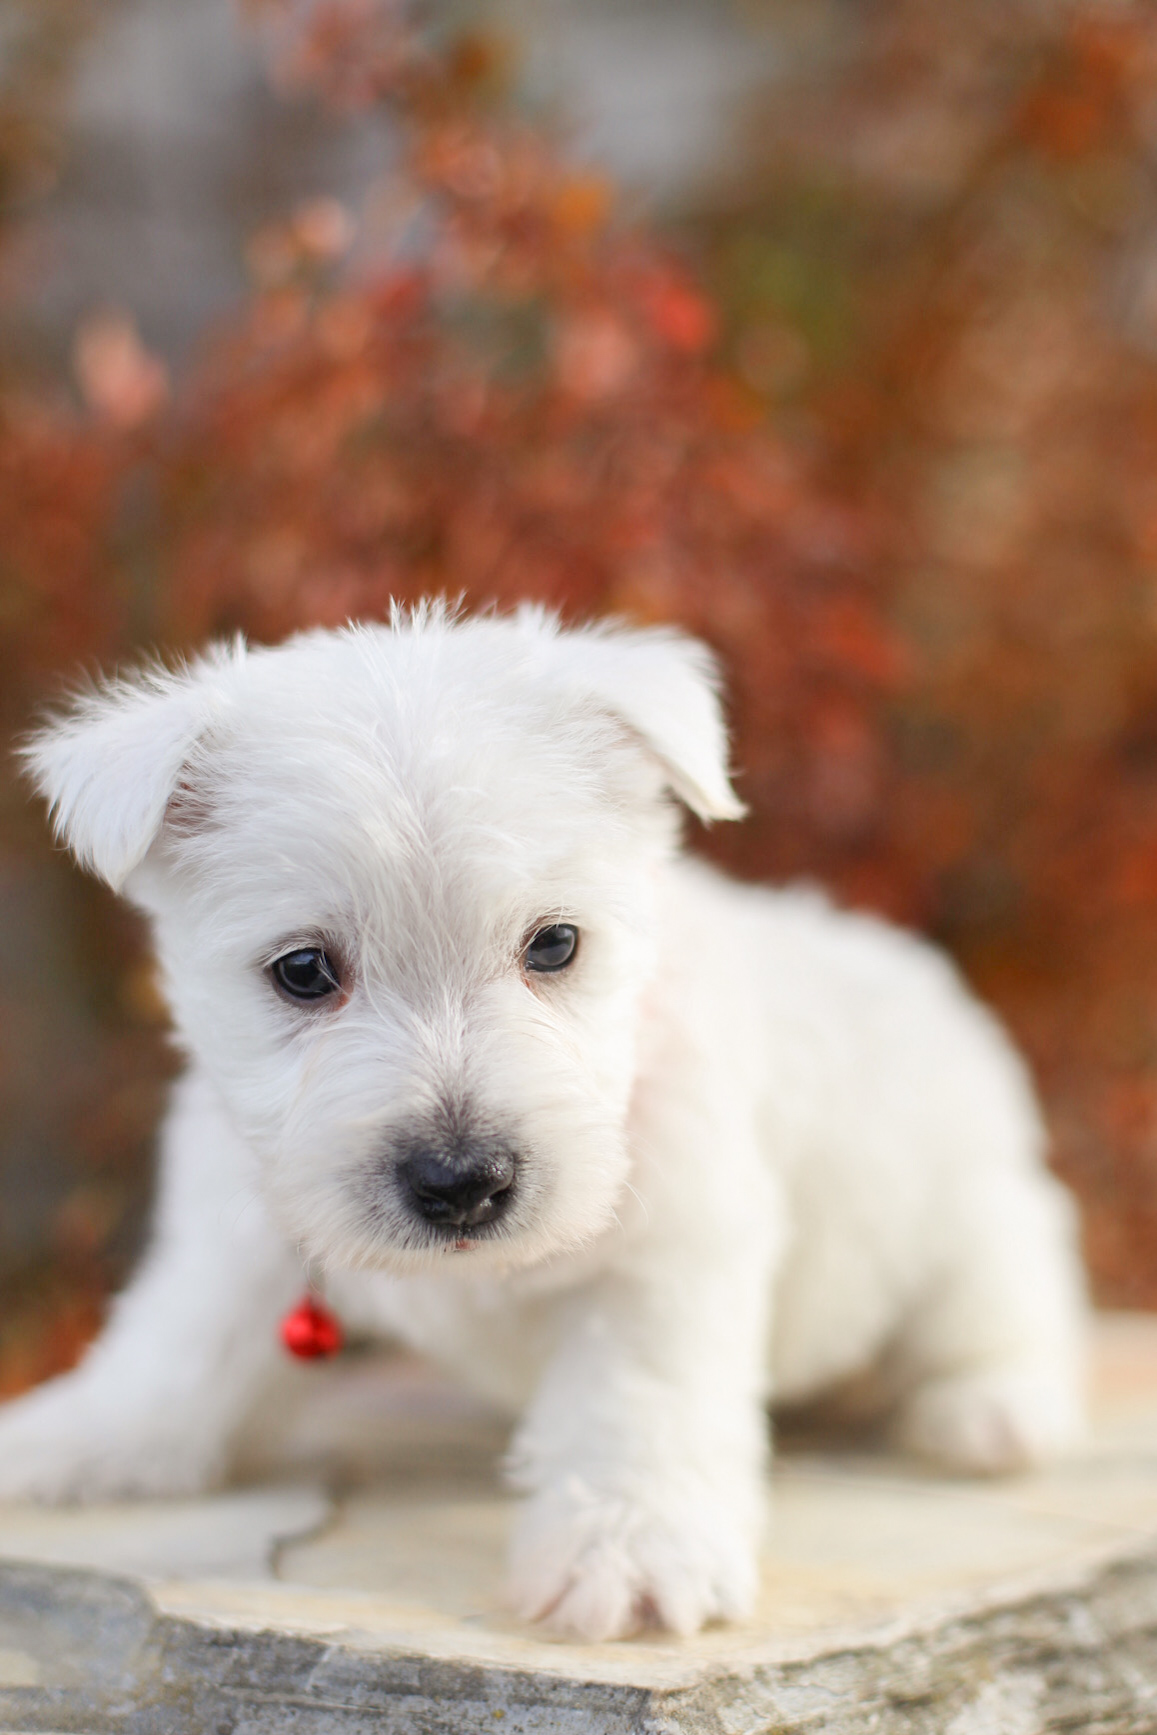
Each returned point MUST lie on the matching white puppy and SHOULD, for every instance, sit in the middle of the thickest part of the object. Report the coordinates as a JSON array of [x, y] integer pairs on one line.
[[627, 1146]]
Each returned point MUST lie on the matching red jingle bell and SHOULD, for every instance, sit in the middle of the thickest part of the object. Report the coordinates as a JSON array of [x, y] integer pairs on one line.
[[311, 1330]]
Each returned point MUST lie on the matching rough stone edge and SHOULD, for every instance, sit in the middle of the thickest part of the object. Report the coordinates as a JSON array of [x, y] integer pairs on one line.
[[1082, 1659]]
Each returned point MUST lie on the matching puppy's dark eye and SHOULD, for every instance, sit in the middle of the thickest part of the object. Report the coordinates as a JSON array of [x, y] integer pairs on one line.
[[309, 974], [551, 948]]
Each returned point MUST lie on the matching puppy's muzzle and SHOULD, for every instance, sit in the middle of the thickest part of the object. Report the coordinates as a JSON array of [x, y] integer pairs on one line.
[[463, 1191]]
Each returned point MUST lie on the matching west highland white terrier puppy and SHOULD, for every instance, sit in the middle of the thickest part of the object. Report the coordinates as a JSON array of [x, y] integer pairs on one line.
[[629, 1147]]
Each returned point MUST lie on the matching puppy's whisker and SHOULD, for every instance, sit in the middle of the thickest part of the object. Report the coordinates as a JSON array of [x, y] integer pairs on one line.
[[635, 1194]]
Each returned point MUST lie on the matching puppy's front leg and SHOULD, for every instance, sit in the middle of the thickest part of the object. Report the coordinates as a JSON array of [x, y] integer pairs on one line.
[[152, 1407], [644, 1449]]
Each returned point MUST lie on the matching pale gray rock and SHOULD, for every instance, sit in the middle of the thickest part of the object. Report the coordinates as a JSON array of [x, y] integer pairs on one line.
[[894, 1603]]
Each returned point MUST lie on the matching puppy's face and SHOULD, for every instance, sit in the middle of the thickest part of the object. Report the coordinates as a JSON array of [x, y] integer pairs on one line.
[[404, 890], [413, 970]]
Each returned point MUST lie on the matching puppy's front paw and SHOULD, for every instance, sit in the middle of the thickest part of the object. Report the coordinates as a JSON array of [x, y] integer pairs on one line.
[[66, 1442], [596, 1565]]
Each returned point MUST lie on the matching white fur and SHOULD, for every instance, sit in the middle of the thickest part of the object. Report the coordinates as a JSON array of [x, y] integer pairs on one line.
[[761, 1145]]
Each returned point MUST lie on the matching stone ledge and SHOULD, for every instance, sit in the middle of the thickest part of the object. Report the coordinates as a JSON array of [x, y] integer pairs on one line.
[[897, 1604]]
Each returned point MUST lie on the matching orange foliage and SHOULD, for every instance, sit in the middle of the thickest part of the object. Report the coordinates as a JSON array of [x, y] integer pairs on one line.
[[527, 407], [926, 553], [1011, 427]]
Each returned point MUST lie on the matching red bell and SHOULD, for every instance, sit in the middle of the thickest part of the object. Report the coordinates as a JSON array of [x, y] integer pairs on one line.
[[311, 1330]]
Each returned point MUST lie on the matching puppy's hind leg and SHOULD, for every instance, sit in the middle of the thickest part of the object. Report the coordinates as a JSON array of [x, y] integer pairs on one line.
[[995, 1352], [153, 1406]]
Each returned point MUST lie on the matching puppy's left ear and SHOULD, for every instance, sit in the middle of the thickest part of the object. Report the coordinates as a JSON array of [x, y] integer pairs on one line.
[[109, 765], [665, 688]]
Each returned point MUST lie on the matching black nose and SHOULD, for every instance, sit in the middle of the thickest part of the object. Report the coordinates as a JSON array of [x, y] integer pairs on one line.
[[462, 1191]]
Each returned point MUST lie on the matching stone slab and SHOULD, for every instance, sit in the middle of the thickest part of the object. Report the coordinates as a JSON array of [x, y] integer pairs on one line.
[[234, 1535], [358, 1587]]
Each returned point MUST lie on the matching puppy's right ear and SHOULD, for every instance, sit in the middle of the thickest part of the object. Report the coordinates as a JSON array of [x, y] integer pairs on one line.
[[109, 765]]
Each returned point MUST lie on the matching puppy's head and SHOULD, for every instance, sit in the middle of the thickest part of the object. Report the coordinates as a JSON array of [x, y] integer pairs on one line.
[[404, 883]]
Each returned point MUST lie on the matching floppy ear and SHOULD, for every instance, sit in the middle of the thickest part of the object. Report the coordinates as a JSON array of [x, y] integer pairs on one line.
[[665, 688], [110, 764]]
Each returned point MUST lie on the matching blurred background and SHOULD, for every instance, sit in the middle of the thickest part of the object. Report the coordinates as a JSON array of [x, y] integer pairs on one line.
[[825, 327]]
